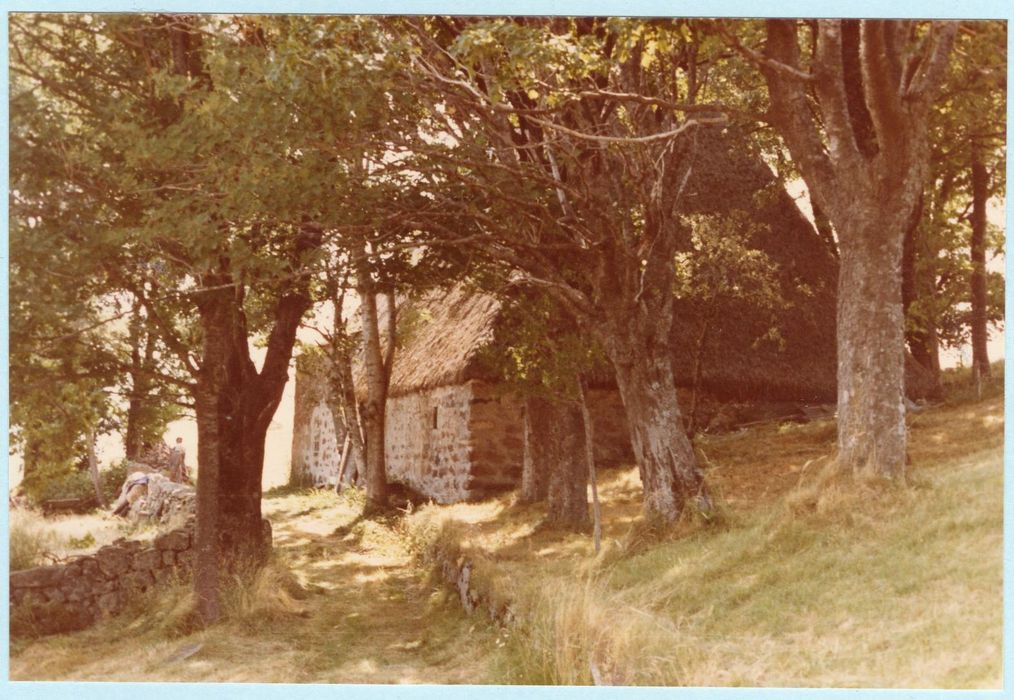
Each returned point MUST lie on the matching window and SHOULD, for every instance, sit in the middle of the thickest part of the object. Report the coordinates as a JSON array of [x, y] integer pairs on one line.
[[434, 417]]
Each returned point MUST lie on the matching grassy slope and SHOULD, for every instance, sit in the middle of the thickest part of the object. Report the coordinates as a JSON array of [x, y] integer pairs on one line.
[[896, 589]]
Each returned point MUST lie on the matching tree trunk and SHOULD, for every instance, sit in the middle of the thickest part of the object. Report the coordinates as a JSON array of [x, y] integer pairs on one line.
[[980, 334], [920, 331], [554, 441], [375, 407], [665, 458], [871, 350], [234, 405], [589, 452], [534, 467], [93, 469]]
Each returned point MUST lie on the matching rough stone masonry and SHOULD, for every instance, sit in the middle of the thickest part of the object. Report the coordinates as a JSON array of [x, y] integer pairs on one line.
[[71, 596]]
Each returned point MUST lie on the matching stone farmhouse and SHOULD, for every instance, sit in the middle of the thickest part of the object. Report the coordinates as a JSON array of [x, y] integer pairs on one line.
[[453, 434]]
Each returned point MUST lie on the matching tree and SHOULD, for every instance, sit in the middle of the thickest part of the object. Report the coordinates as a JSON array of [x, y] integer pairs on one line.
[[861, 144], [543, 358], [938, 266], [573, 173], [222, 152]]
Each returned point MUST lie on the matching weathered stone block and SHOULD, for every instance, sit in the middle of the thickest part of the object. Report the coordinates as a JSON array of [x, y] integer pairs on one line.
[[89, 566], [78, 591], [55, 595], [110, 603], [176, 540], [168, 558], [147, 559], [113, 560], [138, 581], [164, 574], [39, 577]]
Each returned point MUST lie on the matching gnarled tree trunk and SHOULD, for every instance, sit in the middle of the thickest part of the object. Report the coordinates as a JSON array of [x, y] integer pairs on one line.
[[234, 405], [665, 458]]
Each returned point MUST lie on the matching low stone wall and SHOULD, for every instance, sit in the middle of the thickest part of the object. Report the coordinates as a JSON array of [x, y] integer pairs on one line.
[[71, 596]]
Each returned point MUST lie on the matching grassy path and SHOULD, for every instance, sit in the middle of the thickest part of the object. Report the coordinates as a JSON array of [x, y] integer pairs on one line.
[[365, 615]]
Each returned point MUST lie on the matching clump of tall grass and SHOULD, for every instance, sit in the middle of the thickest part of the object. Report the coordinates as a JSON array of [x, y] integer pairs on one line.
[[264, 596], [581, 633], [32, 542]]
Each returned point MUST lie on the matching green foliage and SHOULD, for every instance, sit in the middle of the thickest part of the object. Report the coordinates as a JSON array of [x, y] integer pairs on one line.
[[538, 349], [967, 119]]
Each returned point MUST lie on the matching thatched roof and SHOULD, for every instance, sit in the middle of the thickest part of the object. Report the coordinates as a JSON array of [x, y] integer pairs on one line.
[[440, 336], [739, 364]]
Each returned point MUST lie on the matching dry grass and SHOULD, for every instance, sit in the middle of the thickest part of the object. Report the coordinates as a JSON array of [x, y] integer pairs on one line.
[[843, 585], [862, 587], [36, 540], [342, 602]]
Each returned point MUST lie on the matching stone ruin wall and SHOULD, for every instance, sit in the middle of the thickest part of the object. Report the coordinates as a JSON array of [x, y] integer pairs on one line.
[[318, 434], [72, 596]]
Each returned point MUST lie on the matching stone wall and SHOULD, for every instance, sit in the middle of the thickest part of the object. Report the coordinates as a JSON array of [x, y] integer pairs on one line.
[[313, 439], [71, 596], [497, 441], [428, 446], [451, 443]]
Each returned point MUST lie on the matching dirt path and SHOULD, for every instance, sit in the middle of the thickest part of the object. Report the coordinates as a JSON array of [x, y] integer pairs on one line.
[[383, 621], [368, 615]]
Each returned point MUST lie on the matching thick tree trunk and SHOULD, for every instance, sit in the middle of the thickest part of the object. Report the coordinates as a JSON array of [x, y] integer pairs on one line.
[[554, 448], [980, 334], [668, 466], [534, 467], [375, 407], [871, 351], [234, 404]]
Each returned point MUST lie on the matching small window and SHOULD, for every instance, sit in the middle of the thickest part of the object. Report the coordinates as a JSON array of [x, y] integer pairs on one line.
[[434, 417]]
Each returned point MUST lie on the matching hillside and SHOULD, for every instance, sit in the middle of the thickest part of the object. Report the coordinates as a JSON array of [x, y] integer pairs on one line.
[[897, 589]]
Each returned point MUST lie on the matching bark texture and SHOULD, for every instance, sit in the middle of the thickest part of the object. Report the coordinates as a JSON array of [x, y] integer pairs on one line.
[[863, 153], [534, 467], [554, 448], [378, 366], [665, 457], [871, 355], [234, 405]]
